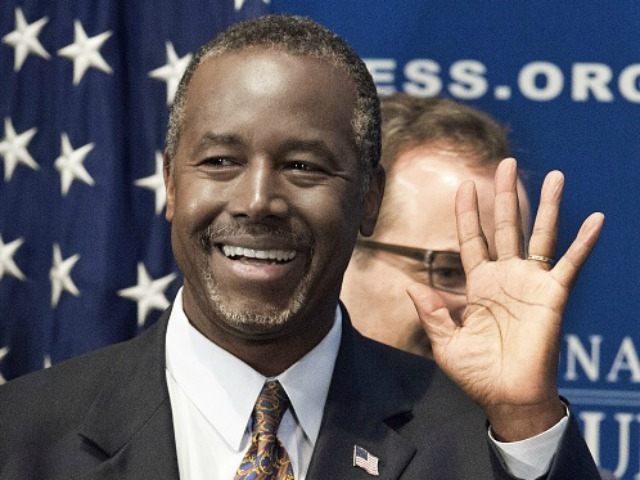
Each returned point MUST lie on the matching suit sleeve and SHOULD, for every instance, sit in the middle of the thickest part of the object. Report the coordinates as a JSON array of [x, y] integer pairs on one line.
[[571, 460]]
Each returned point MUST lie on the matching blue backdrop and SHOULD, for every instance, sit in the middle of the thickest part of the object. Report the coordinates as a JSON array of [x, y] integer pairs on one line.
[[565, 76]]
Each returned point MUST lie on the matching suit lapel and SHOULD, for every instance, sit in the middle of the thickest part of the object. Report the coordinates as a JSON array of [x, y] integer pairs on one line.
[[130, 421], [364, 406]]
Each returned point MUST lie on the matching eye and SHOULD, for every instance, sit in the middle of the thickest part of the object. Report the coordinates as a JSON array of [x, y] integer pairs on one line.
[[447, 272], [450, 277], [219, 161], [305, 167], [299, 165]]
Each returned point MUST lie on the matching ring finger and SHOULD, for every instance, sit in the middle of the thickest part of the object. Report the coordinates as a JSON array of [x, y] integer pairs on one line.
[[542, 246]]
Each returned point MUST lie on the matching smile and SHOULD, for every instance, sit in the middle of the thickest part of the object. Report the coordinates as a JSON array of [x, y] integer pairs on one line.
[[235, 253], [256, 267]]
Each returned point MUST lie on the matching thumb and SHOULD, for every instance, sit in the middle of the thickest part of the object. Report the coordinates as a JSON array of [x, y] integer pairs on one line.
[[433, 313]]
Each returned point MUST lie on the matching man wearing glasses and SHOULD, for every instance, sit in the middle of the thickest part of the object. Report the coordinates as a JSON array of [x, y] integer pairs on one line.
[[429, 147]]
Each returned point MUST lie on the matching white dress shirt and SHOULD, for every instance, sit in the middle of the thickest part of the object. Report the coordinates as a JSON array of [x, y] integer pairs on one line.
[[213, 394]]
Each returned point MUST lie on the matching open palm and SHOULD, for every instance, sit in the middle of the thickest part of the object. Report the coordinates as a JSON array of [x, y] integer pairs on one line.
[[504, 352]]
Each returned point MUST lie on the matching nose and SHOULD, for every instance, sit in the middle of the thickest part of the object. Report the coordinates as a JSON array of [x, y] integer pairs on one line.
[[259, 193]]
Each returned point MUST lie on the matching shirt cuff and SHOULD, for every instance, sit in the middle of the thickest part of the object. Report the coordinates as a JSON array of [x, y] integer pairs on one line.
[[530, 458]]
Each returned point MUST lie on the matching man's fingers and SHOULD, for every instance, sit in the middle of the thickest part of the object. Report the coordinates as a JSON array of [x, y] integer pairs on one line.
[[473, 245], [545, 229], [432, 312], [567, 268], [508, 225]]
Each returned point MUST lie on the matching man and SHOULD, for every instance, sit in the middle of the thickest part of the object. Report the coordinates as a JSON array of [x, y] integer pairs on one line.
[[429, 147], [271, 171]]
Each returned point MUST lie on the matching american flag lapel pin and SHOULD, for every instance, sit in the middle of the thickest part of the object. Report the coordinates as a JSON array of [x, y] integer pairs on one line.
[[364, 460]]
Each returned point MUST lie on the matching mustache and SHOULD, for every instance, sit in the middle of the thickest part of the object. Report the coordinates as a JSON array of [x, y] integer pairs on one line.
[[215, 233]]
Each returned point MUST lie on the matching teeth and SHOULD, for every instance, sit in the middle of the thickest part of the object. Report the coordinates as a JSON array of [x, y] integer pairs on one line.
[[279, 255]]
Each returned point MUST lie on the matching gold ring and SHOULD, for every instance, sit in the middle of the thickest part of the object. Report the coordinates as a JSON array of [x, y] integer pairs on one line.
[[541, 258]]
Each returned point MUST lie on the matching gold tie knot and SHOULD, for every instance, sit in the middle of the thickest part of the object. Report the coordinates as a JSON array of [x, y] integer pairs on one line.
[[270, 407], [266, 458]]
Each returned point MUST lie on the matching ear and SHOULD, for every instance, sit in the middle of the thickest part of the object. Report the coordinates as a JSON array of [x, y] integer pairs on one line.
[[372, 202], [169, 186]]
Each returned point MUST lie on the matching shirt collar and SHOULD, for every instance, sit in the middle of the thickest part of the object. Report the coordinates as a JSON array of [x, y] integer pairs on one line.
[[224, 388]]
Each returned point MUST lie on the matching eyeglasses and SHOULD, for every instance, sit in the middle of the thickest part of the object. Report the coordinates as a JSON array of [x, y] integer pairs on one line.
[[445, 271]]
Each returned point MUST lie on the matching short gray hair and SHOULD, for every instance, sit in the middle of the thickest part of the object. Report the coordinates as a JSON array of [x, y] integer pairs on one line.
[[297, 36]]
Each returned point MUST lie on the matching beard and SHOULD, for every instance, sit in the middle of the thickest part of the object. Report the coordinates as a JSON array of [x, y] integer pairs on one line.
[[268, 318]]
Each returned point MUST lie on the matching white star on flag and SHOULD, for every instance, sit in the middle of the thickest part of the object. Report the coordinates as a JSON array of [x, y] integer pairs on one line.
[[7, 264], [70, 164], [13, 149], [155, 183], [60, 275], [148, 293], [3, 353], [172, 71], [85, 52], [238, 4], [24, 39]]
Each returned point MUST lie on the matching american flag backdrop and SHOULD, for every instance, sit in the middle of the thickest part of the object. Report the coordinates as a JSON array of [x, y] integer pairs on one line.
[[85, 86]]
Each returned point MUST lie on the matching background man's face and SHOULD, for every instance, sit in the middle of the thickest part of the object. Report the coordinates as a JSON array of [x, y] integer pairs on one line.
[[418, 211], [264, 199]]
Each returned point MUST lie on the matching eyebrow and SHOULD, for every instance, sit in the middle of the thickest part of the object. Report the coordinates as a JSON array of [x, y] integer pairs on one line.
[[211, 139], [313, 146]]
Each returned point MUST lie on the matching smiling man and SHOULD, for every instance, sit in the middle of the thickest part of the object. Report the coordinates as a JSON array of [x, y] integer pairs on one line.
[[271, 170], [266, 166]]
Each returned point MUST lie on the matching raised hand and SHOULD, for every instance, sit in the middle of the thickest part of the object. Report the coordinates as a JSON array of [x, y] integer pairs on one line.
[[504, 352]]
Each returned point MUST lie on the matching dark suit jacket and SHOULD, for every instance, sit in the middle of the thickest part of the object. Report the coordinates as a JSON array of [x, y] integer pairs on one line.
[[107, 415]]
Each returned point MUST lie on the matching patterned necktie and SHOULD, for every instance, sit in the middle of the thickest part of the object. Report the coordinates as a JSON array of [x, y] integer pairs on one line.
[[266, 458]]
